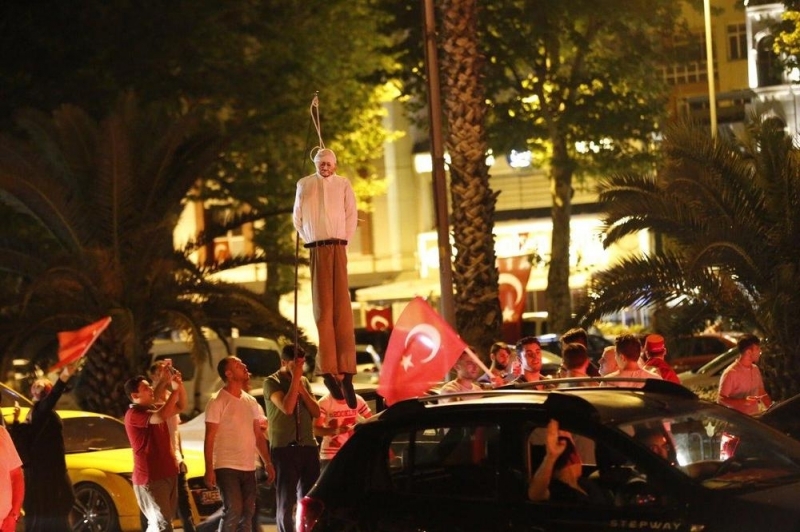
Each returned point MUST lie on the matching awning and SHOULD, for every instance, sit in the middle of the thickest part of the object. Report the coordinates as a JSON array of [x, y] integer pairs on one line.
[[400, 290]]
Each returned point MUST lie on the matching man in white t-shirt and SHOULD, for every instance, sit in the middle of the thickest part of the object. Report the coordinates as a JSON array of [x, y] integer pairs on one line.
[[467, 373], [629, 349], [12, 483], [233, 432]]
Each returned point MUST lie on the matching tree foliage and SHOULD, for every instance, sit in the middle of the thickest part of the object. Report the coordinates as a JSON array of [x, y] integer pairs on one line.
[[250, 66], [729, 210], [578, 82], [93, 207]]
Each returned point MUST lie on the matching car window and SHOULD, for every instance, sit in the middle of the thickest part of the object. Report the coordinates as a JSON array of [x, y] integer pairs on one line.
[[613, 476], [446, 461], [260, 362], [90, 433], [364, 357], [724, 450]]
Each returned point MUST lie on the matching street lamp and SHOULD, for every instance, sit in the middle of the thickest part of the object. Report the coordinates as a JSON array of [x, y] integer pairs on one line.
[[712, 96]]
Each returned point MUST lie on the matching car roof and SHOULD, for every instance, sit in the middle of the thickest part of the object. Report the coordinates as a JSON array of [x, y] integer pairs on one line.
[[604, 403]]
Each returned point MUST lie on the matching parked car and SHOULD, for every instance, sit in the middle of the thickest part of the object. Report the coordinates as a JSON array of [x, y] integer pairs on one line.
[[690, 352], [100, 465], [784, 416], [597, 343], [705, 379], [465, 465], [368, 364]]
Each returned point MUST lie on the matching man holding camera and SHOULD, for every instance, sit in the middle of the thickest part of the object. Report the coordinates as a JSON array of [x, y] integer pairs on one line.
[[291, 410], [155, 470]]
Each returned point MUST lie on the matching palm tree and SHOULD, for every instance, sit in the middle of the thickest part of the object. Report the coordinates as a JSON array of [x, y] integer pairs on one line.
[[728, 211], [104, 199], [475, 274]]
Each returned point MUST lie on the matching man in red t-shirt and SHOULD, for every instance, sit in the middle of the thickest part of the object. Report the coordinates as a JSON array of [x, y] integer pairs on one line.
[[155, 469], [655, 353]]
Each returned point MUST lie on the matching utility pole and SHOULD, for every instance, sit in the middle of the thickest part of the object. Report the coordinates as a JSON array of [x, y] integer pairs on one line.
[[437, 156]]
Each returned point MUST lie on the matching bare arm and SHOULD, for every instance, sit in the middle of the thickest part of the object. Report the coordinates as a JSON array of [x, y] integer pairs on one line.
[[309, 401], [174, 404], [539, 485], [286, 402], [208, 453], [9, 522], [263, 451]]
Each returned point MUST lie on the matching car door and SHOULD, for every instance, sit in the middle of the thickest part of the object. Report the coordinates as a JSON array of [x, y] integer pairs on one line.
[[444, 477]]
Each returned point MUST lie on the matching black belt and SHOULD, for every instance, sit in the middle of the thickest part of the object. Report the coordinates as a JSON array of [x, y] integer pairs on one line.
[[331, 242]]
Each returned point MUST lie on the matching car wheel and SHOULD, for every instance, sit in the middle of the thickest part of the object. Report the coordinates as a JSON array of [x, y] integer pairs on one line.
[[93, 510]]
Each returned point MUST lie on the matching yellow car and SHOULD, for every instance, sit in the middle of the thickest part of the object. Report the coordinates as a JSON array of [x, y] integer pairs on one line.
[[100, 463]]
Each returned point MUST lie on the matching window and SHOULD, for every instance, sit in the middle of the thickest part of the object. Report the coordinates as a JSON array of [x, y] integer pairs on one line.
[[690, 65], [449, 462], [737, 41]]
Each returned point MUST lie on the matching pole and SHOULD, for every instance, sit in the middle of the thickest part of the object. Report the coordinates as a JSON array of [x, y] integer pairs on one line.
[[437, 156], [712, 96]]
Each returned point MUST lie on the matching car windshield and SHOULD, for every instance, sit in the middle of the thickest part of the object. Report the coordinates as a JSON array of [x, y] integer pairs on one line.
[[722, 449], [93, 433]]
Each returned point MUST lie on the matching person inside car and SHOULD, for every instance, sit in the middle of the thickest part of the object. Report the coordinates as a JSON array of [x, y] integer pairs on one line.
[[560, 475]]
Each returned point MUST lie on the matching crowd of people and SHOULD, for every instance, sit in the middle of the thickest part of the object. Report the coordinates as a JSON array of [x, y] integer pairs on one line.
[[240, 436]]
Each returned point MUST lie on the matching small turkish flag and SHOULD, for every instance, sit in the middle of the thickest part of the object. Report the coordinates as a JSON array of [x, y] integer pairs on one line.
[[72, 345], [379, 318], [422, 349]]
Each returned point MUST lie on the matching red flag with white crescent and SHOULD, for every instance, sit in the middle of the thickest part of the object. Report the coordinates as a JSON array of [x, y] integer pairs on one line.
[[422, 349], [514, 273], [72, 345], [379, 318]]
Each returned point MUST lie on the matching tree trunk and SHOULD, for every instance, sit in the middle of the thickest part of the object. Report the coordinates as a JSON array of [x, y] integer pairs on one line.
[[559, 306], [477, 306]]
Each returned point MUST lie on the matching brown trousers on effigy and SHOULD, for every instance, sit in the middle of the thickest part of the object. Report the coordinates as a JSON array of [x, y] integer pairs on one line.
[[333, 312]]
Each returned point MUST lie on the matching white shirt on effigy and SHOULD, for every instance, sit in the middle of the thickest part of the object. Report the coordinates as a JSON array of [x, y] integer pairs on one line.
[[337, 218]]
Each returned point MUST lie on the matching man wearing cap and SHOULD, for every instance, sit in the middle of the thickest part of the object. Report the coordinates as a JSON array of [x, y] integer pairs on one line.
[[325, 216], [655, 353]]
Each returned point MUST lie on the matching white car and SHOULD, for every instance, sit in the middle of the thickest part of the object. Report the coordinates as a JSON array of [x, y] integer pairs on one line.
[[704, 380]]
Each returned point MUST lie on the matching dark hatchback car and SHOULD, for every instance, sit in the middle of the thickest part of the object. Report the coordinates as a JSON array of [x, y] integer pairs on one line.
[[465, 465]]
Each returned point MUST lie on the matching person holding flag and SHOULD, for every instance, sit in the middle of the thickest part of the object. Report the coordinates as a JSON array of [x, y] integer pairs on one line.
[[40, 441], [422, 349]]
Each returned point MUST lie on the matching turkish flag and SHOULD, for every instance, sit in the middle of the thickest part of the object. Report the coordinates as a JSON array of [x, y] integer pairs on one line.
[[379, 318], [72, 345], [422, 349], [514, 273]]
